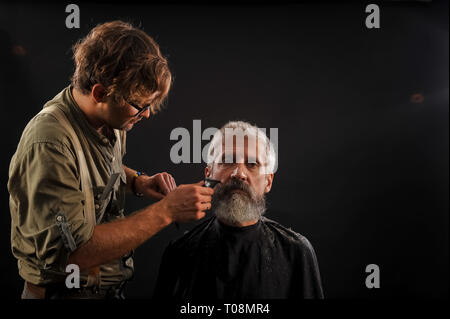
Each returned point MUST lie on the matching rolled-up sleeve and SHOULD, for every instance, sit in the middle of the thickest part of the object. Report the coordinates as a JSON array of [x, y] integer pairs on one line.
[[47, 210]]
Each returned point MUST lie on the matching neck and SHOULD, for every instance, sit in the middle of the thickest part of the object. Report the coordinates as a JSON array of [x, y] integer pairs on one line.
[[89, 108], [240, 224]]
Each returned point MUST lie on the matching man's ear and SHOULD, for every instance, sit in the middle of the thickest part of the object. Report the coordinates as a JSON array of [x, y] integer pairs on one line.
[[208, 171], [98, 93], [269, 180]]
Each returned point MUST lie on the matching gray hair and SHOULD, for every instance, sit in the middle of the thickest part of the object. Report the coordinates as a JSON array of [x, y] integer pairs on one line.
[[241, 129]]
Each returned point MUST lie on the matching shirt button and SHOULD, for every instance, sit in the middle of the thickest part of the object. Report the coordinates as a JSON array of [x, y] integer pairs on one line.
[[105, 140], [97, 206], [59, 218]]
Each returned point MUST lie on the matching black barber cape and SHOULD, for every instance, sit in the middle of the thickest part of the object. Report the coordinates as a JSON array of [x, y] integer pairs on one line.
[[261, 261]]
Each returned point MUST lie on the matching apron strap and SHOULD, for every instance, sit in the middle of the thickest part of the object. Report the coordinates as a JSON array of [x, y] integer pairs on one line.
[[86, 183]]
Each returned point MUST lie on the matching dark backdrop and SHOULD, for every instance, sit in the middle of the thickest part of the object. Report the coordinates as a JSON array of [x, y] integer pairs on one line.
[[362, 118]]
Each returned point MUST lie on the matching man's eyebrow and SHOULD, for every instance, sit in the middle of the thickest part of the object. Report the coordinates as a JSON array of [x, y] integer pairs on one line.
[[142, 102], [253, 159]]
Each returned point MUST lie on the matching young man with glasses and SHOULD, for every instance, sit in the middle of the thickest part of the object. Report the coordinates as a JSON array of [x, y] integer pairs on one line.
[[67, 182]]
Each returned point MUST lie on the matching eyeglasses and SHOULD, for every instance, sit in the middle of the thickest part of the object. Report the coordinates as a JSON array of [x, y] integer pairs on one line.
[[140, 109]]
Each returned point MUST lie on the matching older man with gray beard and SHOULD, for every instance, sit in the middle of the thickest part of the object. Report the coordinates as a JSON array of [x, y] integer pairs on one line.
[[238, 253]]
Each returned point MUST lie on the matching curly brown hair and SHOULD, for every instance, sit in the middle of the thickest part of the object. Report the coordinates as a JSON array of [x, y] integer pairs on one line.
[[125, 60]]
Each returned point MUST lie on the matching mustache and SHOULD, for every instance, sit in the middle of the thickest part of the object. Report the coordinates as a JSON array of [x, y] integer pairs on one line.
[[222, 190]]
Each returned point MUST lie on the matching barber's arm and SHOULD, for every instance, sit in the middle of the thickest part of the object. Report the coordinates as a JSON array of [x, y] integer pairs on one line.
[[156, 186], [115, 239]]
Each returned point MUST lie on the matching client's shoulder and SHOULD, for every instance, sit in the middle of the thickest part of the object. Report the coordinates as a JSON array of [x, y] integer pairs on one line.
[[284, 234]]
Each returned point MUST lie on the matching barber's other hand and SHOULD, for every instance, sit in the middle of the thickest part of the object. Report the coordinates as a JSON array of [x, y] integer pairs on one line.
[[187, 202], [156, 186]]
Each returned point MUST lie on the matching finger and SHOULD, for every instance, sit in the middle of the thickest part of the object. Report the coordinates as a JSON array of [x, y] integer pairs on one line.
[[205, 190], [204, 206], [204, 199], [172, 180], [162, 184], [202, 182], [200, 215], [168, 182]]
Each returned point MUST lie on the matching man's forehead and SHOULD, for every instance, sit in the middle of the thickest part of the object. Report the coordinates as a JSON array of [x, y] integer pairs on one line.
[[240, 148], [249, 150], [241, 142], [144, 99]]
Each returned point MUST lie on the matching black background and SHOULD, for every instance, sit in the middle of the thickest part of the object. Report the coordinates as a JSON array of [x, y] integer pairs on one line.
[[363, 166]]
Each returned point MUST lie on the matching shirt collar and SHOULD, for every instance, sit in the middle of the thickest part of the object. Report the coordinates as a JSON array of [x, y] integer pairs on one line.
[[80, 117]]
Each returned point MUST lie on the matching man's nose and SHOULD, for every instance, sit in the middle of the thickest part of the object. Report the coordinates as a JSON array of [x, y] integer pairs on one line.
[[146, 113], [239, 172]]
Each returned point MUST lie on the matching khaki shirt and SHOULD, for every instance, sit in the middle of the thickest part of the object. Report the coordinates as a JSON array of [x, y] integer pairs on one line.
[[44, 181]]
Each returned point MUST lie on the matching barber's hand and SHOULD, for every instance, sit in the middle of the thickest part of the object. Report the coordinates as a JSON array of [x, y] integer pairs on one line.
[[156, 186], [187, 202]]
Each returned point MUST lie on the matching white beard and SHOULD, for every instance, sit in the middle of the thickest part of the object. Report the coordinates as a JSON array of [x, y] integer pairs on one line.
[[238, 208]]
